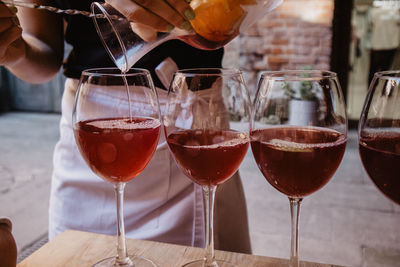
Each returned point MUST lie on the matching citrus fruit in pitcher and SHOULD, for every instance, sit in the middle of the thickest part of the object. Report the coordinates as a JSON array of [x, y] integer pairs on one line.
[[218, 20]]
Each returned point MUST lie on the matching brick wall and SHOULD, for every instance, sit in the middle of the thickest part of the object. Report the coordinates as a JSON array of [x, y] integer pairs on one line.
[[296, 34]]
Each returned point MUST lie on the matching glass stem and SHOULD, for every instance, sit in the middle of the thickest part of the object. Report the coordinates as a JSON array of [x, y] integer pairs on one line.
[[122, 258], [208, 201], [294, 239]]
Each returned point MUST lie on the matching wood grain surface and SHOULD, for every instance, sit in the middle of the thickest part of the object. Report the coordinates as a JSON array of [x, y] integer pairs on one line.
[[75, 248]]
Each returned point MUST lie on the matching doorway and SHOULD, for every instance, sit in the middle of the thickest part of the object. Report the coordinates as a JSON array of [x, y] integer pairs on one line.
[[374, 46]]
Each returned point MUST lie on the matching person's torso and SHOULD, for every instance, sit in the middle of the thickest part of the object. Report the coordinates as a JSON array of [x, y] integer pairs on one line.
[[88, 51]]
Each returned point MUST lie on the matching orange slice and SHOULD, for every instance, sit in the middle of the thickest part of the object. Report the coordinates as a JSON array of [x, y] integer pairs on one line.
[[217, 20]]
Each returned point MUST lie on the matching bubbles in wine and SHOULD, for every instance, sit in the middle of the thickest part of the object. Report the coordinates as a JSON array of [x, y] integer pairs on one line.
[[125, 124]]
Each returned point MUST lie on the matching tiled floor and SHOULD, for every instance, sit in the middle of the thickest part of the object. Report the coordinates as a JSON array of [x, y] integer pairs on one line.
[[26, 145], [348, 222]]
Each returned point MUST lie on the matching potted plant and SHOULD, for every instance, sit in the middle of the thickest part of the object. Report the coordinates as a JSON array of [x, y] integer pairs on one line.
[[303, 102]]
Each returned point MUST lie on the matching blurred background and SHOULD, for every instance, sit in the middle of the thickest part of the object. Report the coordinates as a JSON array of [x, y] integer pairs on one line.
[[347, 223]]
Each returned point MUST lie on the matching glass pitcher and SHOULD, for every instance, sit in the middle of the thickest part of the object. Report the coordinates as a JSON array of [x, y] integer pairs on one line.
[[216, 23]]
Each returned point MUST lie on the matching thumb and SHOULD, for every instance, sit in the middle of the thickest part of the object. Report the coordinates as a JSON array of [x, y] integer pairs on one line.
[[145, 32]]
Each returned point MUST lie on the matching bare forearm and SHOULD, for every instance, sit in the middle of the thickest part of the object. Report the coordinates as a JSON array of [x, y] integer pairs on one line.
[[31, 42], [39, 64]]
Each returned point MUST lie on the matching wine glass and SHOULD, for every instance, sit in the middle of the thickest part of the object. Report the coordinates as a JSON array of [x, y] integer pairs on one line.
[[379, 133], [116, 122], [216, 23], [204, 132], [298, 135]]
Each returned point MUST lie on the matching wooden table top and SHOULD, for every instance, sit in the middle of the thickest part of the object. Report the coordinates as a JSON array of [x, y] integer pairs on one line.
[[75, 248]]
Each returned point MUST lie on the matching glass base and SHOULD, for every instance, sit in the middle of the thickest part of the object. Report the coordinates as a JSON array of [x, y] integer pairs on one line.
[[202, 263], [136, 261]]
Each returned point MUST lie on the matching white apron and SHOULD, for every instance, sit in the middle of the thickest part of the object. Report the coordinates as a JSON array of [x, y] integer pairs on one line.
[[160, 204]]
